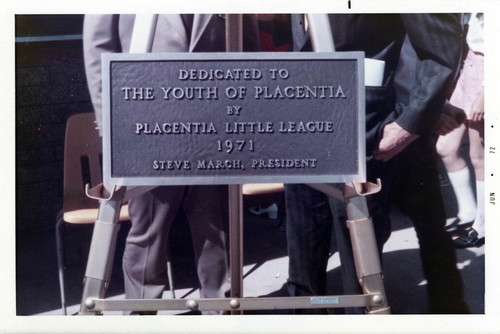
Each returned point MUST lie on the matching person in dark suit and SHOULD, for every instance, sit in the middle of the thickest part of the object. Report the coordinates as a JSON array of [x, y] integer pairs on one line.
[[399, 139], [152, 214]]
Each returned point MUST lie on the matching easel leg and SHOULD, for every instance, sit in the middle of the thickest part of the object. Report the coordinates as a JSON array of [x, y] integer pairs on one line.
[[365, 251], [102, 251]]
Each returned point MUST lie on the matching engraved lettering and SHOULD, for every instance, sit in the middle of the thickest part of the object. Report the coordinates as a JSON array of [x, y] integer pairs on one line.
[[306, 127], [228, 146], [138, 93], [340, 93], [171, 164], [190, 93], [282, 73], [220, 164], [175, 128], [249, 127], [233, 110], [283, 163], [220, 74], [126, 90], [299, 92], [236, 92]]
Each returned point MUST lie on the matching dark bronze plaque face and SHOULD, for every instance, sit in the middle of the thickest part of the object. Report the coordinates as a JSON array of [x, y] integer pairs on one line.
[[233, 118]]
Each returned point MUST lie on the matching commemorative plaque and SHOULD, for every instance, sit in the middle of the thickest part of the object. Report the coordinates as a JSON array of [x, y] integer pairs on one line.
[[232, 118]]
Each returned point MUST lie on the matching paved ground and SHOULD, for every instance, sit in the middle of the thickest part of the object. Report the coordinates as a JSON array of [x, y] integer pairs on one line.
[[265, 268]]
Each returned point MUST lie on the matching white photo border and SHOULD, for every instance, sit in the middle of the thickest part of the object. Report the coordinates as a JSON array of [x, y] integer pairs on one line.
[[487, 323]]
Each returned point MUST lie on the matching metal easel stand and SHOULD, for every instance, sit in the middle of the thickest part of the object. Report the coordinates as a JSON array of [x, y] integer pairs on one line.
[[103, 244], [364, 244], [366, 259]]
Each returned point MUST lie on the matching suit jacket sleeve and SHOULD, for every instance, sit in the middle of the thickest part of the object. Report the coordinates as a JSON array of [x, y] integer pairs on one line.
[[100, 35], [437, 40]]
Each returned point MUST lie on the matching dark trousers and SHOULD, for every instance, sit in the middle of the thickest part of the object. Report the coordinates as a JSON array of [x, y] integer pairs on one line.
[[311, 216], [417, 193]]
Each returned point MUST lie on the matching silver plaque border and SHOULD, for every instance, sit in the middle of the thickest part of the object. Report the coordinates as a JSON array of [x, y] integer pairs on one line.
[[109, 180]]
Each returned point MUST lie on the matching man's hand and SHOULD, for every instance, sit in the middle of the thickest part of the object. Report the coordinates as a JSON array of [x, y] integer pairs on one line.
[[394, 140]]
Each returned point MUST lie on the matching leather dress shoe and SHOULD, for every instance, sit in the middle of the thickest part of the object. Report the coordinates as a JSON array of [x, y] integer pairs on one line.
[[469, 239], [457, 227]]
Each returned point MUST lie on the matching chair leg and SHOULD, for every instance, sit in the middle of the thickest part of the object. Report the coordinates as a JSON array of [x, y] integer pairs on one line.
[[60, 259], [170, 278]]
